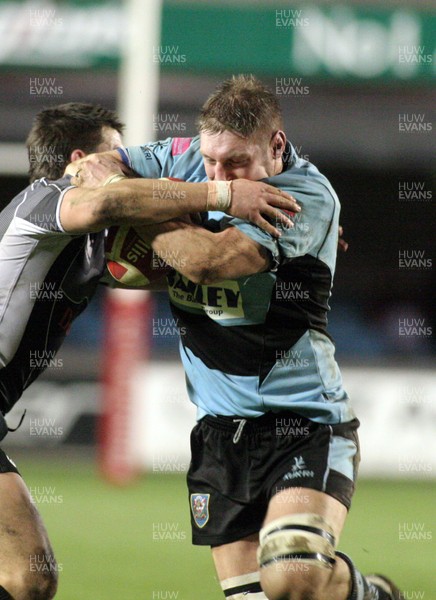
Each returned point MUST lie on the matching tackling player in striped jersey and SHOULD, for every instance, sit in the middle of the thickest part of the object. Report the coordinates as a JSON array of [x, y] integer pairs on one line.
[[51, 261]]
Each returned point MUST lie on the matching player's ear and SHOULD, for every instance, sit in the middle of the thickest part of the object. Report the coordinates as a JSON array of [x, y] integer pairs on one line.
[[76, 154], [278, 143]]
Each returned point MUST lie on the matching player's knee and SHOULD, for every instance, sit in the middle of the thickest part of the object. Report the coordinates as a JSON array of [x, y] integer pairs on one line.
[[43, 581], [44, 585], [296, 557], [35, 579]]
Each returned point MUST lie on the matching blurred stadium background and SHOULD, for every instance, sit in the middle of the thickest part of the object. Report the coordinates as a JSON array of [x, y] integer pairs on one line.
[[356, 82]]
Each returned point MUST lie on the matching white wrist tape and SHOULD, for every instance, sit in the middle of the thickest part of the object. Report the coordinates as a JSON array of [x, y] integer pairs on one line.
[[114, 179], [219, 195]]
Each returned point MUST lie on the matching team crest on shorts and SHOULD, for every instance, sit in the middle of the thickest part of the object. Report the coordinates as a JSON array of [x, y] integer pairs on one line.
[[200, 508]]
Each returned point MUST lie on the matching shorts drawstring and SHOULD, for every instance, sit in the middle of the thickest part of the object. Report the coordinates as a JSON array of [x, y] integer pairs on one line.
[[238, 433], [19, 424]]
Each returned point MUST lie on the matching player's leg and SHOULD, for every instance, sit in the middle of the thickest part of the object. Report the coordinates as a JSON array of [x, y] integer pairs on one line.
[[297, 547], [27, 565], [221, 517], [237, 564], [237, 569], [298, 540], [297, 553]]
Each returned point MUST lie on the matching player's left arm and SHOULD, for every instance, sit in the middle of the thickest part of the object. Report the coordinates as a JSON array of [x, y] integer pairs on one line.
[[244, 249], [205, 257]]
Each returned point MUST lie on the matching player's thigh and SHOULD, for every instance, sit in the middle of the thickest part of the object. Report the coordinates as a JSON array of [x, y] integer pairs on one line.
[[26, 556], [307, 501], [240, 557], [317, 477]]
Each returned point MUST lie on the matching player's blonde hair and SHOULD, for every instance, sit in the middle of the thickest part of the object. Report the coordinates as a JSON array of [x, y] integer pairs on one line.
[[242, 105]]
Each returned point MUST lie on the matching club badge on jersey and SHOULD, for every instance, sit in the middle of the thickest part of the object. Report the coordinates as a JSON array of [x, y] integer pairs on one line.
[[200, 509]]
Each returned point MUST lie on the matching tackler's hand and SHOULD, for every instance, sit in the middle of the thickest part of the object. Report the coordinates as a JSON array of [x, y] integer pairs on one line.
[[96, 169], [256, 202]]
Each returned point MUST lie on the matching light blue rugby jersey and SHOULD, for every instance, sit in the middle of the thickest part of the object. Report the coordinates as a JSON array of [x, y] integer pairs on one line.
[[259, 343]]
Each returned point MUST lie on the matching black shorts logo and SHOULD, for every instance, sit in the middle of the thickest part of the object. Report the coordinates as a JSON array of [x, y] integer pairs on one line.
[[298, 469], [200, 509]]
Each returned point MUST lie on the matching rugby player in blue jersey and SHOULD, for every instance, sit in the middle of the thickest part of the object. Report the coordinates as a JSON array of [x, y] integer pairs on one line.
[[275, 450], [51, 261]]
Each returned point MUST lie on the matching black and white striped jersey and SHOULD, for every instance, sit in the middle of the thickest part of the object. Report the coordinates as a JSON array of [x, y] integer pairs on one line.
[[47, 278]]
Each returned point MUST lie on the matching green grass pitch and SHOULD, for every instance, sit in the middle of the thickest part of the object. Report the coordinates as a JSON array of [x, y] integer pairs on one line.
[[134, 543]]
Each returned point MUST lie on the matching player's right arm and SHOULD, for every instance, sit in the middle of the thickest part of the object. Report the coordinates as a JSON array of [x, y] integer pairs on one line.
[[249, 201], [139, 202]]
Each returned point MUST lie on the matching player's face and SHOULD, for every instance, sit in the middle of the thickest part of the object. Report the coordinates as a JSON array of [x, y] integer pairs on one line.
[[229, 156], [110, 140]]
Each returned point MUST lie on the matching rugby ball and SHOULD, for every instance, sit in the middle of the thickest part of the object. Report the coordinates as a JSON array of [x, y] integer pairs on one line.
[[129, 258]]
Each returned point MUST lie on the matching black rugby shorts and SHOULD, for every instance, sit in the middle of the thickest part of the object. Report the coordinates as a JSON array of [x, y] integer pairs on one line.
[[237, 466]]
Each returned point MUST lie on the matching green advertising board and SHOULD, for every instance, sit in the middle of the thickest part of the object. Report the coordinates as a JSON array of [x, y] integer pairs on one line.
[[335, 42]]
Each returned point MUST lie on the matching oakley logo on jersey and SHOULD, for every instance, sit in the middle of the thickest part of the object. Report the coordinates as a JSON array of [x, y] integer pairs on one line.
[[298, 469]]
